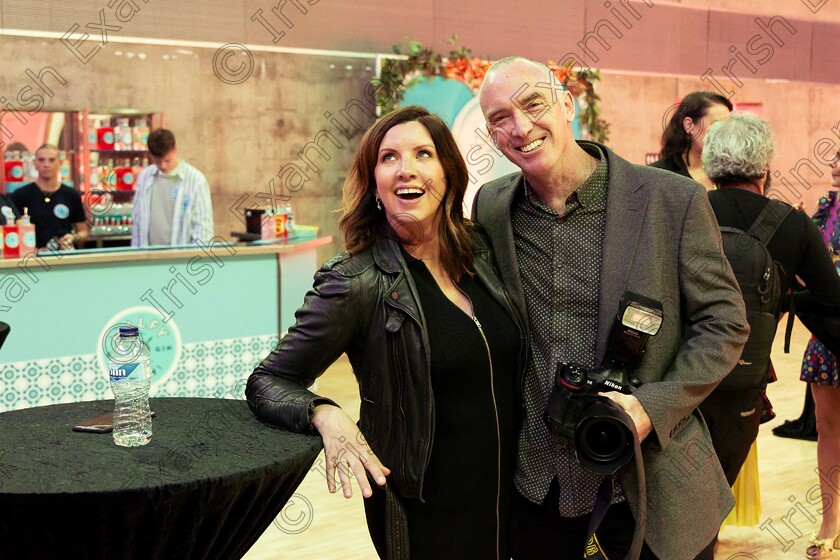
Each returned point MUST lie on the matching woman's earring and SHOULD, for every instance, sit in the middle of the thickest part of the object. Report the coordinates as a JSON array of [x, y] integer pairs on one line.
[[378, 203]]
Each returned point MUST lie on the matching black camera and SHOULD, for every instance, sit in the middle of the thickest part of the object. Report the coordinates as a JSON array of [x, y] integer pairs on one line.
[[602, 434]]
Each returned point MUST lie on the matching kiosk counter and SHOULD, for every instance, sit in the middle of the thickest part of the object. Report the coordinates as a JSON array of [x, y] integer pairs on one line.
[[209, 313]]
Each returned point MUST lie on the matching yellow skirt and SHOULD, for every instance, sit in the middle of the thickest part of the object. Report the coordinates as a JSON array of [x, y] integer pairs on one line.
[[747, 495]]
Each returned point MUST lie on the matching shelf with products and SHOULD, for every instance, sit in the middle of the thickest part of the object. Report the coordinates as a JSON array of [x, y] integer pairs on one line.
[[115, 147], [90, 146], [24, 133]]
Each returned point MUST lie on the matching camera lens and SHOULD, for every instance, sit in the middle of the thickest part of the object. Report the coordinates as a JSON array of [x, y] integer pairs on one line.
[[603, 440]]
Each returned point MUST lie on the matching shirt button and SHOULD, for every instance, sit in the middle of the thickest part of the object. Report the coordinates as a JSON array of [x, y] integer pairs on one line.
[[395, 296]]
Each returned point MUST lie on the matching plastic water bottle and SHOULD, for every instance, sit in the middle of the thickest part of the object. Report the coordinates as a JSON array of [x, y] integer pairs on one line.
[[130, 370]]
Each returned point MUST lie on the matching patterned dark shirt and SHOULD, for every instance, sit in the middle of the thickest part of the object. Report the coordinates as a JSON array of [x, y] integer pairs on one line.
[[560, 265]]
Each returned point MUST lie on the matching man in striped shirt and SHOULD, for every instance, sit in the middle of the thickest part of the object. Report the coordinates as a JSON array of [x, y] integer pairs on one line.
[[172, 202]]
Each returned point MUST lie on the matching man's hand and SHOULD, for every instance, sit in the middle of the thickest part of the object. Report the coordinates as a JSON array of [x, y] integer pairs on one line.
[[634, 409], [346, 451], [67, 242]]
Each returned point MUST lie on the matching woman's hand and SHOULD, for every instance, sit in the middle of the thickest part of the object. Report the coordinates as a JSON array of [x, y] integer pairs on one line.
[[346, 451]]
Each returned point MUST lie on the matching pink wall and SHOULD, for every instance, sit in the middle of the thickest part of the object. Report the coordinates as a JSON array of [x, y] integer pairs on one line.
[[802, 115], [686, 37]]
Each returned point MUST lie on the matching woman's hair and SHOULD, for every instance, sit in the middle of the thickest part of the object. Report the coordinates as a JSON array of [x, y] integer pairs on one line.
[[361, 221], [675, 140], [738, 149]]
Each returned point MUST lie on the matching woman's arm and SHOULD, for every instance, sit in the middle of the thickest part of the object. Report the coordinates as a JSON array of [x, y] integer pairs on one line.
[[325, 327]]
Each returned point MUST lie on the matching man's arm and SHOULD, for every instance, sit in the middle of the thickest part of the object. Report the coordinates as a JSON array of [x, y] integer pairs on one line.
[[202, 214], [78, 219], [713, 322], [137, 209], [78, 236]]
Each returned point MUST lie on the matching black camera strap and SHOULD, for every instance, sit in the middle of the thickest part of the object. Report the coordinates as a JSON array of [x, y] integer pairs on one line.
[[604, 498]]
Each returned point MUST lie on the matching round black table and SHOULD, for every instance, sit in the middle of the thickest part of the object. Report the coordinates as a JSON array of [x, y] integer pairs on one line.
[[210, 482]]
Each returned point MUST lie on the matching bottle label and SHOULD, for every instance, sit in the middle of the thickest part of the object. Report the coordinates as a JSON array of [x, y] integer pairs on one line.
[[17, 172], [108, 138], [29, 238], [128, 179], [118, 372], [12, 240]]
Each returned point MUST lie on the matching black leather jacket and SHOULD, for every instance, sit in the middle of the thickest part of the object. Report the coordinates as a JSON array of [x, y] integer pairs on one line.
[[367, 306]]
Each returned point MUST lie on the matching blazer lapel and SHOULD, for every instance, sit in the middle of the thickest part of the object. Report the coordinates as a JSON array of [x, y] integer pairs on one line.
[[627, 200], [495, 216]]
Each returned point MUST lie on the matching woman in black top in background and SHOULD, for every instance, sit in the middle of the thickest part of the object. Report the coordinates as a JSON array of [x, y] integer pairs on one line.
[[682, 140], [435, 345]]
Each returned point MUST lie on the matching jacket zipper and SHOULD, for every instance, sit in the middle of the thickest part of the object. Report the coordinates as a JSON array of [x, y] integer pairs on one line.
[[498, 432]]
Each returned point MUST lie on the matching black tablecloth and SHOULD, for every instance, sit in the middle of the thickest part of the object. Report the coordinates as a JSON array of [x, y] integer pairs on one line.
[[210, 482]]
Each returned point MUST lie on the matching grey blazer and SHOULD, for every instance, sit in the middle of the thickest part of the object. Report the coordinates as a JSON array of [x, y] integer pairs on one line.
[[661, 241]]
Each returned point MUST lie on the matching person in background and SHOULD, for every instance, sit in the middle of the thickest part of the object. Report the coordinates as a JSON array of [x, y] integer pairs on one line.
[[821, 369], [574, 232], [172, 203], [682, 140], [56, 210], [435, 345], [736, 156]]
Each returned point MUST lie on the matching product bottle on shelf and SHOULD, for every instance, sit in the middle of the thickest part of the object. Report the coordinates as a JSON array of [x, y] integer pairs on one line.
[[141, 134], [30, 172], [94, 171], [105, 139], [125, 176], [13, 167], [125, 134], [109, 176], [64, 170], [130, 372]]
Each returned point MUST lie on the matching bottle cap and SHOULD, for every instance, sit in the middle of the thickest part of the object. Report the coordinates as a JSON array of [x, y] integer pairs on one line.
[[25, 218], [129, 331]]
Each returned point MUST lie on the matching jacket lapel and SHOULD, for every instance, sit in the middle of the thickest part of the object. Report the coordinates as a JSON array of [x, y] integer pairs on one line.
[[495, 214], [627, 200]]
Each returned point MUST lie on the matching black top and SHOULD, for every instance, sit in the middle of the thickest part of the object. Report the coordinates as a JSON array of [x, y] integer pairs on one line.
[[8, 211], [674, 163], [52, 218], [475, 424], [797, 246]]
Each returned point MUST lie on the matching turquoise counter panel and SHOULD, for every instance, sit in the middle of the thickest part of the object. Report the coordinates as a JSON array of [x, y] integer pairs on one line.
[[68, 309], [208, 322]]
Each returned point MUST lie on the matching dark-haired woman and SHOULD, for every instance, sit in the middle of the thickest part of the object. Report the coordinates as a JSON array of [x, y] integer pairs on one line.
[[434, 343], [682, 140]]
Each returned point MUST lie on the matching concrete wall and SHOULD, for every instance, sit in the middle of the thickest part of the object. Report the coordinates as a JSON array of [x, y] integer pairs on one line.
[[241, 136]]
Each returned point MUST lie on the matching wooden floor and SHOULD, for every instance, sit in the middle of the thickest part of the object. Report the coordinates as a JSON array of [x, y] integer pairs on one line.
[[318, 525]]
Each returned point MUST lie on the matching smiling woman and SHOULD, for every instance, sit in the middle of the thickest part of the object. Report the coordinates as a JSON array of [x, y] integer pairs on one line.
[[433, 341], [410, 182], [409, 148]]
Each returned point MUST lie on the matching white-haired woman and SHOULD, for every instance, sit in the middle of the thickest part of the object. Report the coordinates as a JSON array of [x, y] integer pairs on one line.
[[736, 156]]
